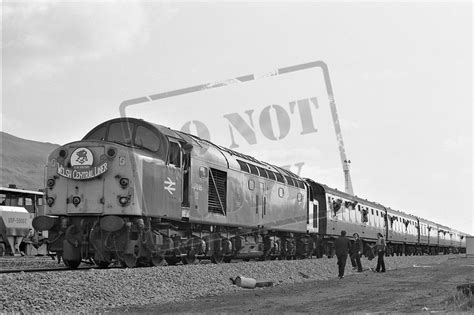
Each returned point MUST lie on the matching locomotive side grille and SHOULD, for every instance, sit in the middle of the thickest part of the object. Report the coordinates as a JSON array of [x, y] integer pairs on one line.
[[217, 191]]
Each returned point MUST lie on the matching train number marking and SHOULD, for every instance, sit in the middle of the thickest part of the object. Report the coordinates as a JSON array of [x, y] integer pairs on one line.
[[170, 185], [197, 187]]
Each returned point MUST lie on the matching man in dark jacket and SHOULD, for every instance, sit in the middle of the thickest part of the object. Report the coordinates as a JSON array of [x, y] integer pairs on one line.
[[357, 249], [342, 249], [380, 246]]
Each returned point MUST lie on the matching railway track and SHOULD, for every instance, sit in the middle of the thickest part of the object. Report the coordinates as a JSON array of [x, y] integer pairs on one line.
[[10, 265], [32, 270]]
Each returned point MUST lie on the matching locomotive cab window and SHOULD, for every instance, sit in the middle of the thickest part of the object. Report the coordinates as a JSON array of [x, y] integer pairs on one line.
[[175, 154], [120, 132], [98, 134], [147, 139]]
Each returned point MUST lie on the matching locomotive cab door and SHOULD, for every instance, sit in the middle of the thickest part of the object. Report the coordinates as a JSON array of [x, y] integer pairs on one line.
[[163, 184], [186, 166], [174, 178]]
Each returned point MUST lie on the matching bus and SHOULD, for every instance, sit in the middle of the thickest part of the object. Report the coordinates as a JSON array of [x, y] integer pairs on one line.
[[18, 207]]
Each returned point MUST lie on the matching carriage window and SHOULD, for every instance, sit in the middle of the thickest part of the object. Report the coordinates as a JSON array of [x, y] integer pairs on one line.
[[28, 201], [289, 180], [120, 132], [39, 201], [279, 177], [98, 134], [262, 171], [243, 166], [271, 175], [147, 139], [2, 199], [253, 169]]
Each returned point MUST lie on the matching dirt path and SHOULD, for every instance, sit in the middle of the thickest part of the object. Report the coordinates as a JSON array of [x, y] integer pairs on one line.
[[414, 289]]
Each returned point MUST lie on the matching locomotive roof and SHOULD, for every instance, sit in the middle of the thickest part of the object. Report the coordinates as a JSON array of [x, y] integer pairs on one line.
[[221, 154], [230, 155]]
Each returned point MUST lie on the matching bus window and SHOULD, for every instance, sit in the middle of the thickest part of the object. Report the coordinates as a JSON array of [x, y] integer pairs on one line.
[[2, 199], [28, 201]]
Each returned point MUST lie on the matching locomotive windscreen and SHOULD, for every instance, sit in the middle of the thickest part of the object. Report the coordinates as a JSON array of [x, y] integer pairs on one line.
[[133, 133]]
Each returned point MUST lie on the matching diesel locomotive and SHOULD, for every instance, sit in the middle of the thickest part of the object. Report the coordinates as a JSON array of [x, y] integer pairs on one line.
[[141, 194]]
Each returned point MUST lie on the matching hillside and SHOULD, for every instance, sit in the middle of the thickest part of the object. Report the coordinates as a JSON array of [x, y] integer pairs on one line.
[[22, 161]]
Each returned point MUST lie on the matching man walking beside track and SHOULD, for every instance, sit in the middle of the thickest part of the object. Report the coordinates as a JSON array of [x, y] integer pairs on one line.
[[357, 251], [342, 249], [380, 247]]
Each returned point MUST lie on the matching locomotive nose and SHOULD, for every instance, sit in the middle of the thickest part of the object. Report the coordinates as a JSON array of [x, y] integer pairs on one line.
[[76, 176]]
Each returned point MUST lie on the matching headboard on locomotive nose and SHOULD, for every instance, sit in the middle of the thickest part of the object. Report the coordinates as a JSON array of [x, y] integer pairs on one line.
[[134, 133]]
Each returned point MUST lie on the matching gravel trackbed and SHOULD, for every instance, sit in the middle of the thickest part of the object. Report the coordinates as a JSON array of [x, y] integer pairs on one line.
[[96, 290]]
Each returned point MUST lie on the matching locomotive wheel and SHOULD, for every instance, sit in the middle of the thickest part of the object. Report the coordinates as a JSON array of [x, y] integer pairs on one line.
[[190, 258], [266, 256], [172, 260], [217, 257], [129, 260], [102, 264], [157, 260], [72, 264]]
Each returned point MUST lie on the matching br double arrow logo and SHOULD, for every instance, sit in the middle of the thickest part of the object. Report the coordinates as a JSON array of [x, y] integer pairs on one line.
[[169, 185]]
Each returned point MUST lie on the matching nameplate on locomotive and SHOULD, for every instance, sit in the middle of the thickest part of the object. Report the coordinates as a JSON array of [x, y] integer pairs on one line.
[[82, 173], [82, 165]]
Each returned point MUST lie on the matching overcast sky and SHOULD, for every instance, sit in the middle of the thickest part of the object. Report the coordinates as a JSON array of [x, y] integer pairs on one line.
[[401, 74]]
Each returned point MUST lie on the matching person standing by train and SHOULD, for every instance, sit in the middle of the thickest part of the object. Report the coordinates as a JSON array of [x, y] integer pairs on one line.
[[357, 249], [380, 247], [342, 249]]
